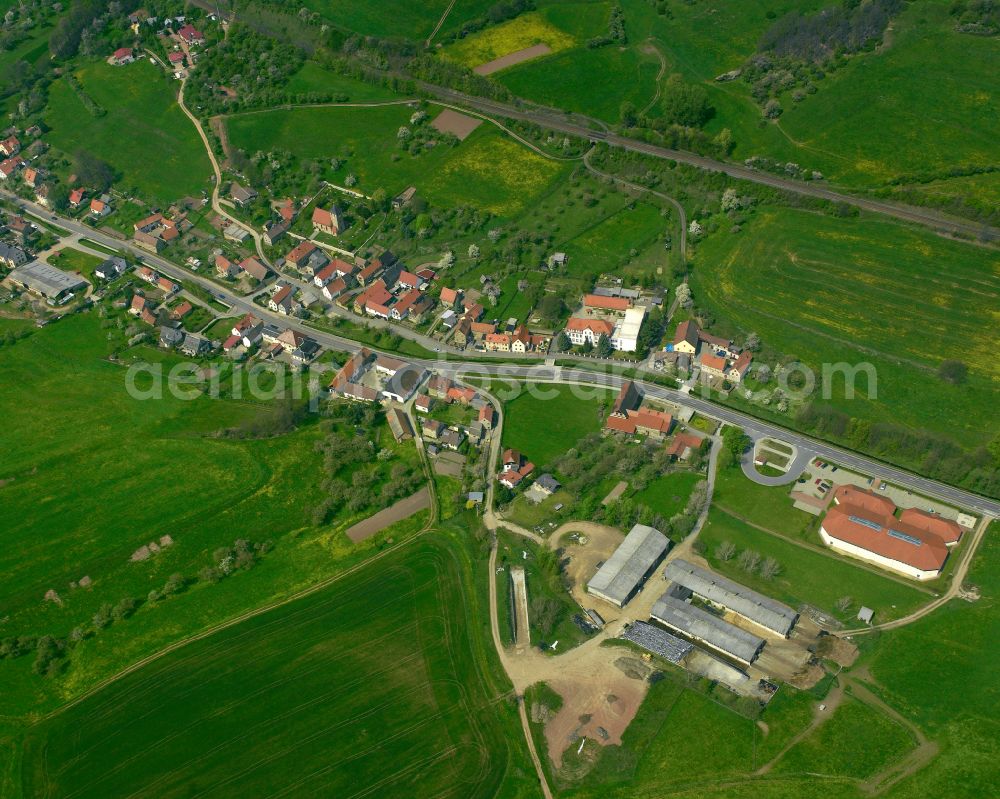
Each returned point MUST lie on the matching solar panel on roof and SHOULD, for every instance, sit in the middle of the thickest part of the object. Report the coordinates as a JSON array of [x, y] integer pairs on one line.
[[867, 523], [909, 539]]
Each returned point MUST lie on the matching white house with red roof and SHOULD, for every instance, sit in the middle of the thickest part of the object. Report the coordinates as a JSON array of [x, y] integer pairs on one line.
[[99, 208], [191, 35], [122, 56]]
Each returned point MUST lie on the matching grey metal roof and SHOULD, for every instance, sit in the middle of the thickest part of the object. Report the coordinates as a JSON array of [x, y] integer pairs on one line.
[[46, 280], [722, 591], [641, 550], [659, 642], [404, 382], [703, 626]]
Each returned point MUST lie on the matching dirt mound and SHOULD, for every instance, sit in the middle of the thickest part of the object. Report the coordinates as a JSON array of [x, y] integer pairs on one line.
[[632, 668]]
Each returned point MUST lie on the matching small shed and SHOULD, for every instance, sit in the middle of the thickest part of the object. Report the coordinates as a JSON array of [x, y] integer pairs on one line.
[[865, 615]]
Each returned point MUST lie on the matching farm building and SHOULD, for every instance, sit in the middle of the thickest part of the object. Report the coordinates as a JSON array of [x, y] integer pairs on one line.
[[705, 628], [723, 592], [631, 564], [916, 544], [47, 281]]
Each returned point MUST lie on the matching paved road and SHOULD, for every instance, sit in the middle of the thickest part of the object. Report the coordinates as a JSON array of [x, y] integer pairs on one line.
[[547, 373], [556, 120]]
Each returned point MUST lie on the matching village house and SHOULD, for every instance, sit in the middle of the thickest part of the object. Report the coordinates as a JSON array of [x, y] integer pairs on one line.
[[273, 231], [10, 166], [515, 469], [683, 445], [167, 286], [10, 146], [450, 297], [283, 300], [32, 177], [300, 254], [334, 288], [738, 370], [423, 403], [242, 195], [486, 416], [99, 208], [122, 56], [226, 268], [12, 256], [111, 268], [255, 269], [190, 35]]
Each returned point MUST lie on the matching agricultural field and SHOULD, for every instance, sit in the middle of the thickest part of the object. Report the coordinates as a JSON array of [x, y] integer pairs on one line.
[[487, 170], [807, 575], [865, 290], [529, 420], [354, 683], [493, 42], [97, 492], [138, 98]]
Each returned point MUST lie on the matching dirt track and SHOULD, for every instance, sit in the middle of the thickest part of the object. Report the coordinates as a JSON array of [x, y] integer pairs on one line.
[[511, 59], [394, 513]]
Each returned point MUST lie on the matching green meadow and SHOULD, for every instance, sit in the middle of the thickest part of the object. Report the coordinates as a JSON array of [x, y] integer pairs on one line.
[[865, 290], [384, 18], [314, 78], [144, 135], [806, 576], [545, 426], [931, 86], [90, 475], [487, 170], [378, 684], [668, 495]]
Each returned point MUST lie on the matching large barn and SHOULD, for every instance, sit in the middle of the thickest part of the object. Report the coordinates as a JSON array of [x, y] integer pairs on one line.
[[725, 593], [631, 564], [702, 627]]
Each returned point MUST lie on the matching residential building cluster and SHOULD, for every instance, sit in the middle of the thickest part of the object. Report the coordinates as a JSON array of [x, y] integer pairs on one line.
[[715, 357]]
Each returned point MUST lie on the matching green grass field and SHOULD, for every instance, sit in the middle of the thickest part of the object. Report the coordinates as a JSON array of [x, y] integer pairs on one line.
[[932, 110], [807, 576], [543, 427], [115, 473], [833, 748], [314, 78], [161, 156], [487, 170], [72, 260], [863, 290], [313, 698], [388, 18], [566, 79], [669, 494], [606, 246]]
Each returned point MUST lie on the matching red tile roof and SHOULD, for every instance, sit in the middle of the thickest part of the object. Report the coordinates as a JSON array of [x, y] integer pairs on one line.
[[713, 362], [449, 295], [301, 251], [861, 498], [597, 326], [683, 441], [607, 303], [742, 363], [945, 529], [919, 549]]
